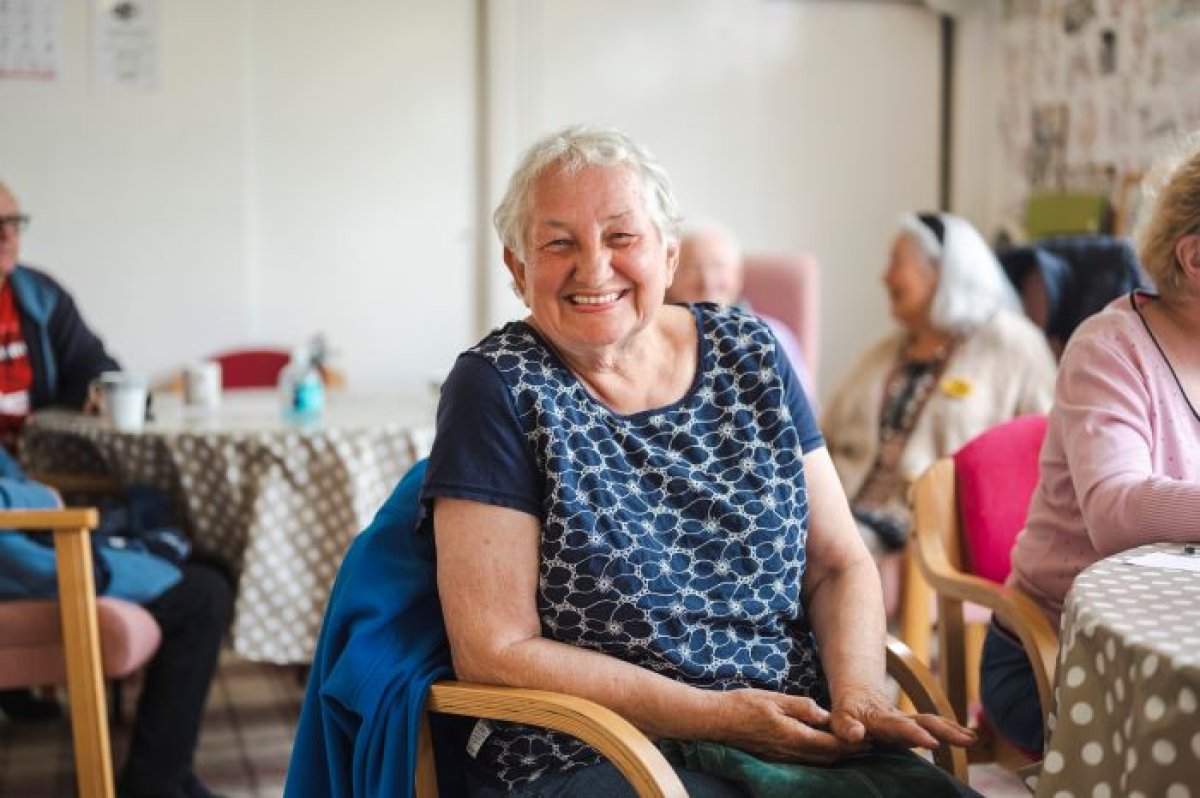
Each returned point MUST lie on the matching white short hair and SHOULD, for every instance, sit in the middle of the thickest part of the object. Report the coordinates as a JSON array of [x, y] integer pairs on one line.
[[971, 284], [570, 149]]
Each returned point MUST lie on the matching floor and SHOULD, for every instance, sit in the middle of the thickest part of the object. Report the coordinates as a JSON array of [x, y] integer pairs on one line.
[[245, 743]]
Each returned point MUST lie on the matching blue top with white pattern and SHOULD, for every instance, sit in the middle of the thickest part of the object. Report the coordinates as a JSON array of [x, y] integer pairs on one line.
[[673, 539]]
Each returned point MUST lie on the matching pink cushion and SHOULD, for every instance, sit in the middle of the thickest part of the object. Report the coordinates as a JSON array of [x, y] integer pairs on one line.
[[31, 650], [787, 287], [996, 474]]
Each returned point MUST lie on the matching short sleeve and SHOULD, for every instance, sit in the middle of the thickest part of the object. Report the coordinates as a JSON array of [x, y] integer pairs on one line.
[[798, 405], [479, 452]]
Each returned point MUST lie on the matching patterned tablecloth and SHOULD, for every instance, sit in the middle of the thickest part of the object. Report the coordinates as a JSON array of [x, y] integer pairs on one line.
[[278, 502], [1125, 721]]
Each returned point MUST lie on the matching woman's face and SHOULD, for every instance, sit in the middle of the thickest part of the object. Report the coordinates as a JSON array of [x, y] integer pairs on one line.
[[596, 268], [911, 281]]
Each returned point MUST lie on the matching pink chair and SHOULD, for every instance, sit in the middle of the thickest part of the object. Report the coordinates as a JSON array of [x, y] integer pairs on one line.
[[788, 288], [968, 511], [78, 640]]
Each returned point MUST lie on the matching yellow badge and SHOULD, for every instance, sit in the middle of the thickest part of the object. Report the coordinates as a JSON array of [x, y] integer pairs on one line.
[[957, 387]]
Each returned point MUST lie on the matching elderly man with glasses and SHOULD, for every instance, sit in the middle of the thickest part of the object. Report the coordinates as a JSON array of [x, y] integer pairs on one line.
[[48, 355]]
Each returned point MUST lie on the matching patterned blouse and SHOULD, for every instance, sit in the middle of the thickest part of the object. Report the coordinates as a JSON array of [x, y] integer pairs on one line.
[[673, 539]]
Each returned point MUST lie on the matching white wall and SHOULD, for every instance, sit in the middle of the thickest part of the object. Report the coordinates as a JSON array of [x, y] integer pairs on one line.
[[803, 125], [303, 166], [311, 166]]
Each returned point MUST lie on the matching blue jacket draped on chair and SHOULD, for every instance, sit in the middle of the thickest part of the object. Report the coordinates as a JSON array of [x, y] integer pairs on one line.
[[382, 644]]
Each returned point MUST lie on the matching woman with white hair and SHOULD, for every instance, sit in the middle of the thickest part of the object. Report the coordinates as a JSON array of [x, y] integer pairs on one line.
[[632, 503], [963, 360]]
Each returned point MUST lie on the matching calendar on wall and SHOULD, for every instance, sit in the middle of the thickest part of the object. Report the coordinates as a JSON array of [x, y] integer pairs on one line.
[[30, 39]]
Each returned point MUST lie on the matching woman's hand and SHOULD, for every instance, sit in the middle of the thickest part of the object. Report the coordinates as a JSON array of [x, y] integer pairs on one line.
[[780, 727], [866, 715]]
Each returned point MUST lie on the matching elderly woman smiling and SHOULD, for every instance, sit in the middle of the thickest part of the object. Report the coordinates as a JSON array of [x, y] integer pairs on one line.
[[633, 504]]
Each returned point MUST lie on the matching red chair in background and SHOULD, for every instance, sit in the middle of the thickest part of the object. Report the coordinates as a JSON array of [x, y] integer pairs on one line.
[[251, 368], [259, 368]]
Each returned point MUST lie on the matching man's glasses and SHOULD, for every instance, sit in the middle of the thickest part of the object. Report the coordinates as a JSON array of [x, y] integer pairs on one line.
[[15, 223]]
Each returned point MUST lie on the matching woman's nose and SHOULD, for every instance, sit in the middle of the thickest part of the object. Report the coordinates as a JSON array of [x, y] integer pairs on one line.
[[594, 265]]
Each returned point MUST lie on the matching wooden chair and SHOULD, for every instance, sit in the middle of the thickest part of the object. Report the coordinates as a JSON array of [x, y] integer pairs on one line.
[[618, 740], [991, 480], [81, 639]]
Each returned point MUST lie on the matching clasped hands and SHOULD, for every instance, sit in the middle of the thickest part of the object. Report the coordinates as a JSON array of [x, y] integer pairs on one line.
[[785, 728]]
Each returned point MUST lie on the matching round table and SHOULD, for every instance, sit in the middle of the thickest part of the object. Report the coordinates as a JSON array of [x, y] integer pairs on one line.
[[1125, 721], [277, 500]]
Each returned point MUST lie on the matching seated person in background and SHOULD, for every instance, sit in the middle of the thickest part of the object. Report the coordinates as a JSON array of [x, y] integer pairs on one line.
[[1121, 463], [1065, 279], [711, 270], [48, 356], [632, 503], [963, 360]]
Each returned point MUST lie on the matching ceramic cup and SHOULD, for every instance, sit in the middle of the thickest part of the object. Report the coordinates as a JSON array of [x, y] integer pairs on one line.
[[122, 399], [202, 384]]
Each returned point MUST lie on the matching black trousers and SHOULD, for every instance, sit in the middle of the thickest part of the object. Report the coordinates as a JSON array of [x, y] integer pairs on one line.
[[193, 616]]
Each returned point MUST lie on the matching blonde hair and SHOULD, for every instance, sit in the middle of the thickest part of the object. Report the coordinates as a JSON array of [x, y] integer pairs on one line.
[[1174, 212]]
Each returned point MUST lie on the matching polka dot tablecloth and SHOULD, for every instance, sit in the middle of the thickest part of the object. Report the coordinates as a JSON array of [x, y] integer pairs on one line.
[[1126, 719], [278, 502]]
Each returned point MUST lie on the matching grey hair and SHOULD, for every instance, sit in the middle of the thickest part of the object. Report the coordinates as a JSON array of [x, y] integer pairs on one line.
[[971, 284], [1174, 213], [694, 228], [571, 149]]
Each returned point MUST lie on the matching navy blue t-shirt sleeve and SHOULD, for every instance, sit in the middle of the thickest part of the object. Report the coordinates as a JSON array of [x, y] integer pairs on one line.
[[479, 452], [798, 404]]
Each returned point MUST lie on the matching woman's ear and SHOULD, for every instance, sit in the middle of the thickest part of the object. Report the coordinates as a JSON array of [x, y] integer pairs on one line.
[[672, 261], [517, 269], [1187, 253]]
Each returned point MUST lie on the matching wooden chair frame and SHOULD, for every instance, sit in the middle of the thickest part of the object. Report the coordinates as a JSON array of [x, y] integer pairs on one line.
[[937, 548], [638, 759], [81, 638]]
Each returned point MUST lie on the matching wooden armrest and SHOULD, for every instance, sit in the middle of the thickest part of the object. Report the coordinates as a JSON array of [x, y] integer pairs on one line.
[[638, 759], [918, 684], [77, 483], [61, 520]]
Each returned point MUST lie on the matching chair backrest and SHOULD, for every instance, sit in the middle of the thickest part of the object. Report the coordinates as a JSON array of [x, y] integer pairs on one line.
[[251, 368], [787, 287], [996, 474]]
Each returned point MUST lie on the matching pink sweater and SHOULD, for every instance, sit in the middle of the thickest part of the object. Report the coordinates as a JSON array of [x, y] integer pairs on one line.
[[1121, 463]]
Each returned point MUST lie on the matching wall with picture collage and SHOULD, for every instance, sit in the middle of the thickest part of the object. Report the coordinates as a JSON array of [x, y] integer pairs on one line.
[[1091, 92]]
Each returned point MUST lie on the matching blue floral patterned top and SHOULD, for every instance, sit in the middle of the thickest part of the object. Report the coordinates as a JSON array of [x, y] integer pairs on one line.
[[673, 539]]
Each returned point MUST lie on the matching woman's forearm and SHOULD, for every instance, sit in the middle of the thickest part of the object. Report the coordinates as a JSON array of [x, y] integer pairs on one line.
[[658, 706], [847, 616]]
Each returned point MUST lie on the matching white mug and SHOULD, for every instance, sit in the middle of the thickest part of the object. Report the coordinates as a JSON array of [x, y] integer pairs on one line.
[[202, 384], [123, 398]]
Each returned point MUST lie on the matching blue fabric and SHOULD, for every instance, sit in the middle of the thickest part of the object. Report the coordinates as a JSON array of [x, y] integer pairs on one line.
[[64, 353], [382, 644], [1082, 274], [673, 539], [1008, 690], [28, 570]]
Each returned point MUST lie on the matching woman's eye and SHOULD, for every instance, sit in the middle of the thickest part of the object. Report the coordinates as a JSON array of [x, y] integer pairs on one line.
[[621, 239], [557, 244]]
